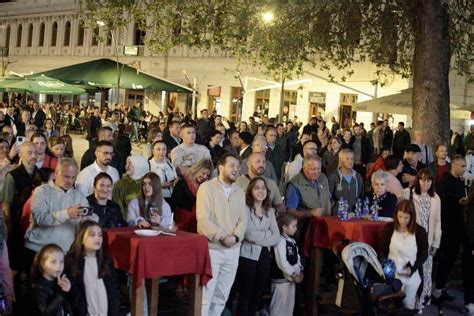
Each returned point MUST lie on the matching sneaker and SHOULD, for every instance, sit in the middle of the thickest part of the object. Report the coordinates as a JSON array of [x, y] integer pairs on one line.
[[469, 309], [226, 312], [442, 296], [263, 312], [446, 297]]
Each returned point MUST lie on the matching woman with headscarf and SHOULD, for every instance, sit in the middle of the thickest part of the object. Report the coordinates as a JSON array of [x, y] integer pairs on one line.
[[128, 188]]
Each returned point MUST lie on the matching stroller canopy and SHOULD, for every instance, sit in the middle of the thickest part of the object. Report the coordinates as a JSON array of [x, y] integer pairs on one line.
[[357, 256]]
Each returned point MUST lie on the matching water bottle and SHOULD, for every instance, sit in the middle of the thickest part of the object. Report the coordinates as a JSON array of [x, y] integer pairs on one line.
[[346, 211], [358, 209], [344, 214], [374, 211], [3, 304], [365, 207], [340, 208]]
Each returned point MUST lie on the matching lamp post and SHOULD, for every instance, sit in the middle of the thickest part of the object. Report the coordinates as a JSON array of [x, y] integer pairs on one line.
[[119, 70], [193, 84]]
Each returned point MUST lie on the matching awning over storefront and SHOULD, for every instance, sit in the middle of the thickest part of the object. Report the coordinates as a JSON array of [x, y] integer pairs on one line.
[[400, 103], [40, 84], [102, 73]]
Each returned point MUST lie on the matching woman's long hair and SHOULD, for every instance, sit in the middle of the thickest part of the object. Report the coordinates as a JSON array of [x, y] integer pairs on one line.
[[407, 207], [77, 251], [424, 174], [37, 268], [156, 197], [266, 204]]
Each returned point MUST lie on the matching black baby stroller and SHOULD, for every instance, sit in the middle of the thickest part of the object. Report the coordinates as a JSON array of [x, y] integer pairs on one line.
[[363, 285]]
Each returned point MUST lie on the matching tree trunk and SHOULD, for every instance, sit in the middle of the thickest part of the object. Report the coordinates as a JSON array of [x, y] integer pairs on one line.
[[431, 62]]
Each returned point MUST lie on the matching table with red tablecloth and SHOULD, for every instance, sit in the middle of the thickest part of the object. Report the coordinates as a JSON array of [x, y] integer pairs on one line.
[[163, 255], [323, 233]]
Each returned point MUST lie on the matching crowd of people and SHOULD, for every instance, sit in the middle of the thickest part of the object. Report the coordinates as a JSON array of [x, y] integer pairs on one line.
[[250, 188]]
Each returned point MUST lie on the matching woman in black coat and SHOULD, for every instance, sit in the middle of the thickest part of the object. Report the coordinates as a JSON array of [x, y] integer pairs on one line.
[[406, 243]]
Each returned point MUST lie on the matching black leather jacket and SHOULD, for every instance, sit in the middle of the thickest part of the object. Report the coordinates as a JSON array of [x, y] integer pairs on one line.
[[49, 299]]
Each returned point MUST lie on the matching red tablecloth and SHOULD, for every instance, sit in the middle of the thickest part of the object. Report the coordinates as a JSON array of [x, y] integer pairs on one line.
[[151, 257], [323, 232]]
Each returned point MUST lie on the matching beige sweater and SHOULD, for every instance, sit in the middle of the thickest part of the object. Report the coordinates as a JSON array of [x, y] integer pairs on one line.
[[217, 216]]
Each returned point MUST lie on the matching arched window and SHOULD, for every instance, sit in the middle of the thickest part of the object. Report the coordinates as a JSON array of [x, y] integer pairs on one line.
[[95, 37], [18, 35], [80, 34], [7, 38], [30, 35], [41, 35], [109, 38], [139, 36], [67, 33], [54, 34]]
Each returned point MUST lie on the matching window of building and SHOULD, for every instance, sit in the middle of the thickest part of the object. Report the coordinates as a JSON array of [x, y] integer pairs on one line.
[[41, 35], [317, 103], [54, 34], [139, 36], [95, 37], [235, 103], [290, 97], [80, 34], [346, 116], [30, 35], [67, 33], [7, 38], [262, 101], [18, 35], [108, 41], [214, 99]]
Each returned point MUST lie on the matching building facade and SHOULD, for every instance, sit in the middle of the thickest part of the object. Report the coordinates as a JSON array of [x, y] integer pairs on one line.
[[42, 35]]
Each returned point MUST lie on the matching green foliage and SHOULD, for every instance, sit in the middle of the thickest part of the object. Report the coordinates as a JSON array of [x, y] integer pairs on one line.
[[329, 34]]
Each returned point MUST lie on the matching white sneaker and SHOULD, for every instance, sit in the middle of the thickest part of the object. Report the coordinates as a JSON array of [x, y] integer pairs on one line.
[[469, 309]]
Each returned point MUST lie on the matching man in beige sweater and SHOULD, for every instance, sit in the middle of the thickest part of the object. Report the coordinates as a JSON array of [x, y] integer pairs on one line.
[[221, 217]]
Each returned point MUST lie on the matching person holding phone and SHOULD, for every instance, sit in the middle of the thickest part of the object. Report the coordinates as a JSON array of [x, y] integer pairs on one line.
[[149, 208], [56, 210]]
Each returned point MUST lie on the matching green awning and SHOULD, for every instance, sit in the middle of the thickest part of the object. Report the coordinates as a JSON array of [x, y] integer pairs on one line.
[[102, 73], [39, 84]]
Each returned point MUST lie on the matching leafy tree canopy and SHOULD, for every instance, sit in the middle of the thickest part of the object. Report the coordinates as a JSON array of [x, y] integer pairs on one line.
[[283, 35]]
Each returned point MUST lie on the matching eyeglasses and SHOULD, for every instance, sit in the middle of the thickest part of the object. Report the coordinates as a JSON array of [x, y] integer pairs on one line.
[[107, 153]]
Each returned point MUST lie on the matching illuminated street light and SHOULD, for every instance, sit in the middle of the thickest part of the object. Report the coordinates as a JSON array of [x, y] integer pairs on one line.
[[101, 23], [267, 17]]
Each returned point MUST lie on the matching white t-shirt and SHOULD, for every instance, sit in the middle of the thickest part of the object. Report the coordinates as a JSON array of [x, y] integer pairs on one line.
[[184, 156], [166, 171]]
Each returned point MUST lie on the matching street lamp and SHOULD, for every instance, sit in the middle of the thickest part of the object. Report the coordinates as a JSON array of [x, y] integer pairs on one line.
[[267, 16], [119, 71], [193, 84]]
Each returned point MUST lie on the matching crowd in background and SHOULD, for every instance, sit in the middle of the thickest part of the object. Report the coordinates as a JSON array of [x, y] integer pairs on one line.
[[250, 187]]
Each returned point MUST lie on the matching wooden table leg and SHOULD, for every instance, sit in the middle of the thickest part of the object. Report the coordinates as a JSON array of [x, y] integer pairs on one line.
[[195, 301], [138, 298], [315, 265], [153, 292]]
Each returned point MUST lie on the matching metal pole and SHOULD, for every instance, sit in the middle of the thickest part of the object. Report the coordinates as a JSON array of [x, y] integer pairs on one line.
[[282, 97], [193, 104], [119, 72]]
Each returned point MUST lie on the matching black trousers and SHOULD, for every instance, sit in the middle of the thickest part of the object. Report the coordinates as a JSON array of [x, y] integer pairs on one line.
[[451, 242], [468, 273], [252, 276]]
